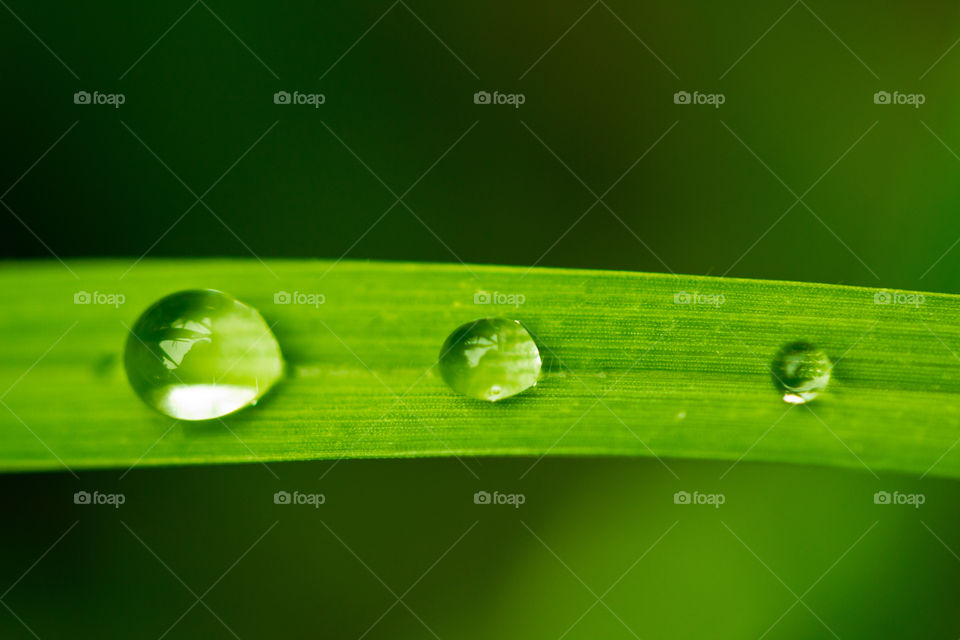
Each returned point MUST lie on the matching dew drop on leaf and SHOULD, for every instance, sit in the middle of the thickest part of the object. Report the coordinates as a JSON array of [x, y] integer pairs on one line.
[[800, 371], [490, 359], [198, 355]]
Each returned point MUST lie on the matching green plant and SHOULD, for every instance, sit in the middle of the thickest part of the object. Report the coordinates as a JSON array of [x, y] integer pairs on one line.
[[634, 364]]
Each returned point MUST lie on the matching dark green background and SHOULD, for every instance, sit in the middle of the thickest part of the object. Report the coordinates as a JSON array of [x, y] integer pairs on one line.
[[884, 211]]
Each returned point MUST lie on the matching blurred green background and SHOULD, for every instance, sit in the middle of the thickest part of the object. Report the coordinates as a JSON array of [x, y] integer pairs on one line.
[[683, 187]]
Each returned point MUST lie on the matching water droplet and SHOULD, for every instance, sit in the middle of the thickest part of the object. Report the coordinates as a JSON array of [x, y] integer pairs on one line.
[[801, 371], [197, 355], [490, 359]]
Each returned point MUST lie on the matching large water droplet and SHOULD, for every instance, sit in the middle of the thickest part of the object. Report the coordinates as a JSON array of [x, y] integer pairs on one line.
[[490, 359], [801, 371], [197, 355]]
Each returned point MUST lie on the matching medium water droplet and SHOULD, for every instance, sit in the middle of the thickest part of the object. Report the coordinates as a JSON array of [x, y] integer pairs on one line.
[[197, 355], [490, 359], [801, 371]]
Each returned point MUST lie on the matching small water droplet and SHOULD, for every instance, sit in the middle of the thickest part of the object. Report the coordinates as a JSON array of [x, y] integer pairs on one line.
[[801, 371], [198, 355], [490, 359]]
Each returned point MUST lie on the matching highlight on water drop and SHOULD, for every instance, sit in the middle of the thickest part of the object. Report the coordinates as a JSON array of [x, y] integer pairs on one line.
[[201, 354], [490, 359], [801, 372]]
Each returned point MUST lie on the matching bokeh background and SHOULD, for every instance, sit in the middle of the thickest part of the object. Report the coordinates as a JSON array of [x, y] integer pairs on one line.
[[799, 174]]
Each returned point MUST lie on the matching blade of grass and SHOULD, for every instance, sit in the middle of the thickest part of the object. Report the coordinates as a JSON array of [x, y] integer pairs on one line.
[[635, 364]]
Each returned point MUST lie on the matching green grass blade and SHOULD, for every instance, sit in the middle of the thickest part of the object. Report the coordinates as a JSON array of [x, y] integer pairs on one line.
[[628, 370]]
